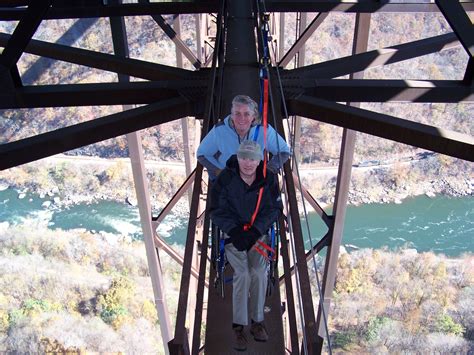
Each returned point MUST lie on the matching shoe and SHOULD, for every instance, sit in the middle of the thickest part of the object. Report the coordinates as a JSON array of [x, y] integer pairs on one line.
[[259, 331], [240, 341]]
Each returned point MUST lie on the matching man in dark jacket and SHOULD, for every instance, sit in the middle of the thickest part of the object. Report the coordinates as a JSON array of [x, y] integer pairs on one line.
[[234, 198]]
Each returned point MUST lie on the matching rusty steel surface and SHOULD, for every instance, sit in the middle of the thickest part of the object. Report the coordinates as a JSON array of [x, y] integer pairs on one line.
[[219, 332]]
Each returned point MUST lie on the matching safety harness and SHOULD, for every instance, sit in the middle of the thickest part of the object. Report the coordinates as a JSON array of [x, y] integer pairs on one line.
[[260, 246]]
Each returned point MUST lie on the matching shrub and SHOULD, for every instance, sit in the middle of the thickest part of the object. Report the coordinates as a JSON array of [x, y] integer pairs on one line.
[[447, 325], [33, 306], [4, 321], [374, 326], [344, 339], [89, 334], [148, 311], [15, 316], [112, 302]]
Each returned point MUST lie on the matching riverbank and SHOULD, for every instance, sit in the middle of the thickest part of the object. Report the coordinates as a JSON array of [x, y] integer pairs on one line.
[[68, 181], [443, 225], [395, 182]]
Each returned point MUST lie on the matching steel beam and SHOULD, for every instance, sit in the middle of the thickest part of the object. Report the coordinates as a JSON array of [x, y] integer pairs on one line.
[[240, 55], [360, 44], [172, 202], [322, 243], [290, 295], [464, 29], [310, 330], [103, 61], [305, 35], [10, 13], [179, 344], [303, 17], [176, 256], [171, 33], [397, 129], [72, 34], [9, 76], [363, 61], [75, 136], [101, 10], [198, 311], [459, 22], [23, 32], [312, 201], [469, 74], [358, 90], [132, 93], [359, 6], [154, 265], [446, 91], [120, 44]]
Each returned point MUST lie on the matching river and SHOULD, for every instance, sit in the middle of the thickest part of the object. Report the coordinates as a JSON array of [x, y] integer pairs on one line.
[[440, 224]]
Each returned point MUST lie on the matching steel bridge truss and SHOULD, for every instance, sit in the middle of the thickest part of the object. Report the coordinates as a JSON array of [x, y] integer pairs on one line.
[[168, 93]]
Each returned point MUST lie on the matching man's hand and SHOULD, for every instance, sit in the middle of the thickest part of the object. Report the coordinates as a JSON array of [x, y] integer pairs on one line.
[[251, 236], [244, 240], [236, 238]]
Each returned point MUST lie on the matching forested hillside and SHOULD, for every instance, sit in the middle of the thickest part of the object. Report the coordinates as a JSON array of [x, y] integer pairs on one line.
[[76, 291]]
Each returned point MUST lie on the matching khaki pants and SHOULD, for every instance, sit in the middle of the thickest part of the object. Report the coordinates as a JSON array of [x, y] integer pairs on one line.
[[249, 281]]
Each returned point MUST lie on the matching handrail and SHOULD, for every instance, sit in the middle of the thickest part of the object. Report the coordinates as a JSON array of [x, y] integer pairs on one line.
[[169, 206], [290, 299], [201, 282], [174, 255], [312, 201], [180, 341]]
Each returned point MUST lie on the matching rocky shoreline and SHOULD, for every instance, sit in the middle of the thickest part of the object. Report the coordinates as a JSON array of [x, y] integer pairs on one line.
[[430, 188], [320, 185]]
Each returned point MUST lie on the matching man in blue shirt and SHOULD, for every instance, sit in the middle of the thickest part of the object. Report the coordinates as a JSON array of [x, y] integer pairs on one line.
[[242, 124]]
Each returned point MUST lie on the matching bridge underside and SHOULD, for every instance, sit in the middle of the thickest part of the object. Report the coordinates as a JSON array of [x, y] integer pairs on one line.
[[152, 94]]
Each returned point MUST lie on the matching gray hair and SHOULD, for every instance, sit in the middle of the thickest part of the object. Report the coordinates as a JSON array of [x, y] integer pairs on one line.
[[247, 100]]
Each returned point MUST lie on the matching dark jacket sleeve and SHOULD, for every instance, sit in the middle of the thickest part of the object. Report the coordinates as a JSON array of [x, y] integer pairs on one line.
[[271, 205], [220, 211]]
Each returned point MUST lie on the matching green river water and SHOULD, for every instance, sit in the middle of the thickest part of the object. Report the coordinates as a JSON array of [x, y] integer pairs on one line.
[[440, 224]]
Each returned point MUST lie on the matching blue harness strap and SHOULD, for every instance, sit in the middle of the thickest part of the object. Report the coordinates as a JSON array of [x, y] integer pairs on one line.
[[255, 133]]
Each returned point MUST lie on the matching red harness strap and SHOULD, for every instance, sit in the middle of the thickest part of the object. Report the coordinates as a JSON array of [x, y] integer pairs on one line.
[[260, 246], [265, 121]]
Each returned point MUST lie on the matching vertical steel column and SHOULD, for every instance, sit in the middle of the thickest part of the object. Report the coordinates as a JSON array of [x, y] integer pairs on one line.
[[361, 35], [154, 265], [180, 343], [119, 37], [461, 24], [24, 31], [188, 162], [310, 330], [281, 37], [292, 329], [240, 68], [303, 16], [199, 312], [185, 120]]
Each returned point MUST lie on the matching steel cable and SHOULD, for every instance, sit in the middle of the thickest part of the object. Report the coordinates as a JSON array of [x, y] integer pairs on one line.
[[295, 164]]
